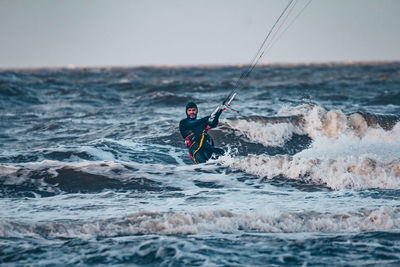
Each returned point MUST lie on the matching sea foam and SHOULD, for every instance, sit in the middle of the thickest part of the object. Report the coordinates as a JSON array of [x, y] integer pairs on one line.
[[209, 221], [346, 152]]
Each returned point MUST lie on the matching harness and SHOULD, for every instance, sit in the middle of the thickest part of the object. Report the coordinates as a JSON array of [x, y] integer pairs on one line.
[[201, 144], [190, 142]]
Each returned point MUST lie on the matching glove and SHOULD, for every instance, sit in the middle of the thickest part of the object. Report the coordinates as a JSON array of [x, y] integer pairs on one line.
[[215, 112]]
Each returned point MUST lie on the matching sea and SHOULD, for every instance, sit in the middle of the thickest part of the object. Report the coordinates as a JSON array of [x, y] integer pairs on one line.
[[94, 171]]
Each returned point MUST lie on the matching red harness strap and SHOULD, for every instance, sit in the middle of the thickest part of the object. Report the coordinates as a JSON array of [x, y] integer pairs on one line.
[[188, 141]]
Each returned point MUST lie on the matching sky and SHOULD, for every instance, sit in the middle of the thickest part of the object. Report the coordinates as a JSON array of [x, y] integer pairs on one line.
[[59, 33]]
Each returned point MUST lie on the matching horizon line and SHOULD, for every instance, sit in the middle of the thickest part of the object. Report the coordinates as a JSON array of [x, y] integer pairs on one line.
[[212, 65]]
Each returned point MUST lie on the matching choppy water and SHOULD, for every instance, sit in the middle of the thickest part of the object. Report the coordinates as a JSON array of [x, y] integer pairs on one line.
[[93, 169]]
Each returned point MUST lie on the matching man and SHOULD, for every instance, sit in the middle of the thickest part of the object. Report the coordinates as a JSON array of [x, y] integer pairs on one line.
[[194, 131]]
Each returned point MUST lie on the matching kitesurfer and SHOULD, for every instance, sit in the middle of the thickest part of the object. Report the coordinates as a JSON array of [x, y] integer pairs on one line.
[[194, 131]]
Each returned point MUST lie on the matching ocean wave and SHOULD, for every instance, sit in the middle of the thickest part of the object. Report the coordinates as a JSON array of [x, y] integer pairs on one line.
[[264, 132], [357, 151], [361, 172], [208, 221], [315, 122], [48, 178]]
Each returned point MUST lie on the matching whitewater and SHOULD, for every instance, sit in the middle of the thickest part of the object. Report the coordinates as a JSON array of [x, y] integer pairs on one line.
[[93, 169]]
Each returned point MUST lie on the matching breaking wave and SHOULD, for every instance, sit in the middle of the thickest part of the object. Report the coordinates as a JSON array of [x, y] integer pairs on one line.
[[356, 151], [206, 222], [48, 177]]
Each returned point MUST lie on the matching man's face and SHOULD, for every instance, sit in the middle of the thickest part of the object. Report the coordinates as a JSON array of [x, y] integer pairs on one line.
[[192, 112]]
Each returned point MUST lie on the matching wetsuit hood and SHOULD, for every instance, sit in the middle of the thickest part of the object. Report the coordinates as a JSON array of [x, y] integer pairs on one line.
[[191, 105]]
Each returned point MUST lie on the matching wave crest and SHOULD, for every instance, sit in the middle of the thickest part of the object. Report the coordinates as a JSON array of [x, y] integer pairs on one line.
[[341, 173], [315, 122], [209, 221]]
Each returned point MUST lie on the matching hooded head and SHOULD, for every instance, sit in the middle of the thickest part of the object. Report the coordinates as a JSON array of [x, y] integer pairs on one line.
[[191, 110]]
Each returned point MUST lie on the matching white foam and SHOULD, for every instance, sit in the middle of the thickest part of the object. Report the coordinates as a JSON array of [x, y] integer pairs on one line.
[[345, 153], [263, 133], [317, 122], [17, 174], [346, 172], [392, 136], [210, 221]]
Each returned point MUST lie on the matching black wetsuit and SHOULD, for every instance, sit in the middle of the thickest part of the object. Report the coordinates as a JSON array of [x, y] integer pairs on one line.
[[200, 144]]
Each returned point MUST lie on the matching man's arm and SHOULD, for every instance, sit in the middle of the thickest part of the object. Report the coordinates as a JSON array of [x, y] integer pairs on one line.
[[214, 122]]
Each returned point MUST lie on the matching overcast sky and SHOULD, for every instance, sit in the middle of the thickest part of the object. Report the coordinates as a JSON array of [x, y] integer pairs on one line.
[[51, 33]]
